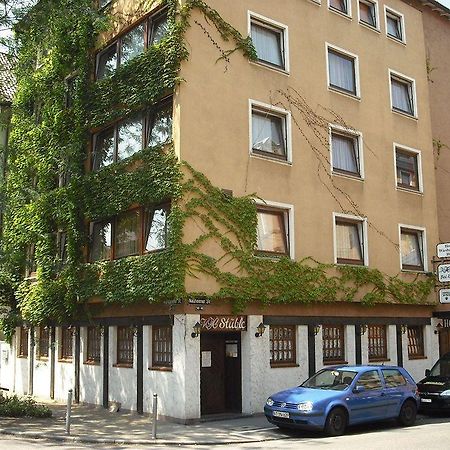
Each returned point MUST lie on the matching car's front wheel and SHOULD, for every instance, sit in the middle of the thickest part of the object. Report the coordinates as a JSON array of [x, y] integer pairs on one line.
[[336, 422], [408, 413]]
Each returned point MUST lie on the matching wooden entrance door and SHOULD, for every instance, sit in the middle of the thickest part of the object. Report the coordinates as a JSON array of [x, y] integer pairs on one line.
[[444, 341], [220, 373]]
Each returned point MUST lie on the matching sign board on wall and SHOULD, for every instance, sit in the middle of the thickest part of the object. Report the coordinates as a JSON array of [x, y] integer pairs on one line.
[[444, 273], [443, 250], [444, 296], [223, 323]]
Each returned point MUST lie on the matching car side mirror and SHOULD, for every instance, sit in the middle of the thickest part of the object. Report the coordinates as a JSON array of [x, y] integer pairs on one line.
[[427, 372], [358, 389]]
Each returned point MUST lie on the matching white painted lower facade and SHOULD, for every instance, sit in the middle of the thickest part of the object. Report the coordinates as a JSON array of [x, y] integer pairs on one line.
[[179, 389]]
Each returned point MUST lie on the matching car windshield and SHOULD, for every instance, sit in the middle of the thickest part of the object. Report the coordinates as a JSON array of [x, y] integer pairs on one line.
[[441, 368], [336, 379]]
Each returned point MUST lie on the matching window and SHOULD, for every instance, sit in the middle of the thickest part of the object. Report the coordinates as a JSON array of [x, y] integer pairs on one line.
[[270, 41], [407, 166], [22, 349], [333, 344], [350, 240], [393, 378], [412, 249], [416, 347], [147, 33], [342, 6], [368, 13], [394, 24], [30, 262], [403, 94], [269, 132], [93, 345], [125, 338], [342, 71], [282, 345], [370, 380], [66, 344], [61, 246], [43, 343], [162, 346], [126, 137], [134, 232], [377, 343], [273, 232], [346, 153]]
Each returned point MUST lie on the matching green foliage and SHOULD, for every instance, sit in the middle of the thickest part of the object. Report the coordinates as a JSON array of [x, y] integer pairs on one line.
[[56, 40], [14, 406]]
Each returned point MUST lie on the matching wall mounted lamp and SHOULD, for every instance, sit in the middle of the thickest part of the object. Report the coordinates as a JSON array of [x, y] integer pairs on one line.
[[362, 329], [316, 329], [260, 330], [404, 328], [197, 328], [438, 328]]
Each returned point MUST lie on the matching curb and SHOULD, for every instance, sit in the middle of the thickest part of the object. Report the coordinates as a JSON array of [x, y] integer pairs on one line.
[[157, 442]]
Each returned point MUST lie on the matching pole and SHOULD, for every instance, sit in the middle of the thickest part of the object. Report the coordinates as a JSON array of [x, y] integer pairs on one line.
[[155, 414], [69, 411]]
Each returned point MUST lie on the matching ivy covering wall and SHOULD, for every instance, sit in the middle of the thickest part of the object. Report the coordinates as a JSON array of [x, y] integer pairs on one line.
[[48, 140]]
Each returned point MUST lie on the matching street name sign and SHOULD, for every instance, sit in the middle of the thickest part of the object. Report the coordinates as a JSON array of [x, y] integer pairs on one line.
[[444, 296], [444, 273], [443, 250]]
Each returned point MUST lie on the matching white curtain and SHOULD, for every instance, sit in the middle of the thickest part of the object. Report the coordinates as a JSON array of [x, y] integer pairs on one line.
[[345, 154], [271, 232], [401, 96], [156, 230], [411, 248], [349, 241], [342, 71], [267, 133], [268, 45]]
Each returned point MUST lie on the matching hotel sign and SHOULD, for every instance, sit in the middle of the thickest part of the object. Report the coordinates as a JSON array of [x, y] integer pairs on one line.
[[444, 296], [443, 250], [223, 323], [444, 273]]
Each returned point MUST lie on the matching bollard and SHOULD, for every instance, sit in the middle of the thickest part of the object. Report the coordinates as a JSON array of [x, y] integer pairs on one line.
[[155, 415], [69, 411]]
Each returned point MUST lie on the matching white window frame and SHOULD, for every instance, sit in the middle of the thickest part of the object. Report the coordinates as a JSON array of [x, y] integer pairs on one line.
[[405, 79], [352, 133], [363, 221], [276, 111], [288, 210], [377, 16], [424, 246], [348, 14], [270, 23], [387, 10], [418, 153], [355, 57]]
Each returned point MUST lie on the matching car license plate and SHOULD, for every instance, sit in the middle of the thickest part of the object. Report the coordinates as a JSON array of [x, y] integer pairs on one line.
[[284, 415], [425, 400]]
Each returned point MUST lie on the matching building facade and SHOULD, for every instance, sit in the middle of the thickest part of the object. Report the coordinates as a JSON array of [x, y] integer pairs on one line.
[[297, 231]]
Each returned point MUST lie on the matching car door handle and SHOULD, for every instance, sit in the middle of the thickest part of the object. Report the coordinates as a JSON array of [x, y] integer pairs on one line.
[[383, 394]]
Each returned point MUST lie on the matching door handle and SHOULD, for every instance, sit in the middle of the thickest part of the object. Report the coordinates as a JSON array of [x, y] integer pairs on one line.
[[383, 394]]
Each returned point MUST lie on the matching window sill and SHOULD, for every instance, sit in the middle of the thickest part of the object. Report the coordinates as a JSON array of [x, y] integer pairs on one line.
[[283, 162], [378, 360], [405, 114], [409, 191], [345, 94], [351, 263], [370, 27], [91, 363], [334, 362], [316, 2], [413, 271], [22, 356], [123, 365], [412, 358], [270, 256], [340, 13], [161, 369], [65, 360], [397, 40], [42, 358], [347, 176], [281, 365], [273, 68]]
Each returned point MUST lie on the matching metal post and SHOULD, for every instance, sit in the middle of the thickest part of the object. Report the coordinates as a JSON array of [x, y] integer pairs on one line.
[[155, 414], [69, 411]]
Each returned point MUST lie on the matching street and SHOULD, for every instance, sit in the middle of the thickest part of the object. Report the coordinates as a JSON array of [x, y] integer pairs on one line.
[[428, 433]]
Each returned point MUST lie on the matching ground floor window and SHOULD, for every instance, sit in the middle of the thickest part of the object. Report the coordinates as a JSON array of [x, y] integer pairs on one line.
[[66, 344], [282, 345], [162, 346], [93, 345], [43, 343], [416, 347], [377, 342], [333, 343], [22, 348], [125, 337]]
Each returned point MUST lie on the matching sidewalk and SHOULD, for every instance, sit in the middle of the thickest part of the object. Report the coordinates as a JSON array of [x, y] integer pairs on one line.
[[97, 425]]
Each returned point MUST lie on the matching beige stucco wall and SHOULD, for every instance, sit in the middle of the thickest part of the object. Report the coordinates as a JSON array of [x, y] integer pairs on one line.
[[214, 122]]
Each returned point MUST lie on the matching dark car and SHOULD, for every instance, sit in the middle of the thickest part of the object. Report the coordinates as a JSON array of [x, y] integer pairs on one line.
[[434, 389], [346, 395]]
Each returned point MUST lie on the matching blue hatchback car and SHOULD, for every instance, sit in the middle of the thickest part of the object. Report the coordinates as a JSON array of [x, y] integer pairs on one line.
[[346, 395]]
